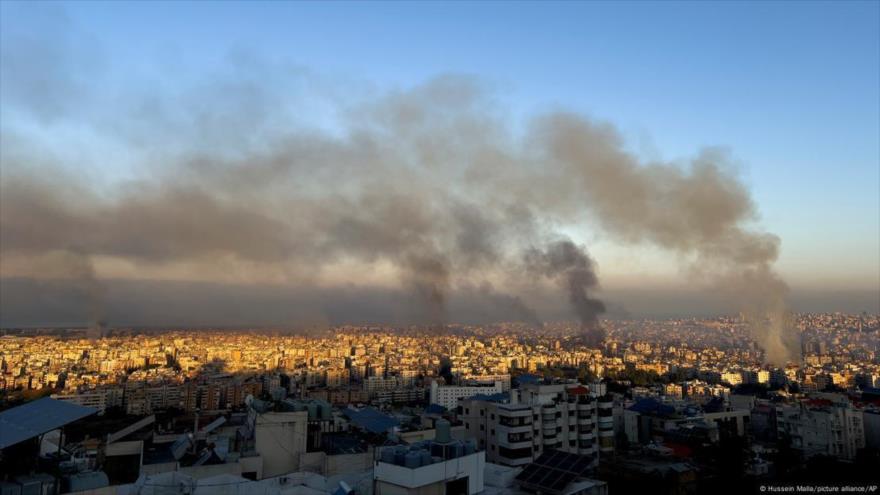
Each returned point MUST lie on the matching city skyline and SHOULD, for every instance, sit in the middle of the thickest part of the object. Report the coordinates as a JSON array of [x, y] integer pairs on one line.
[[457, 248]]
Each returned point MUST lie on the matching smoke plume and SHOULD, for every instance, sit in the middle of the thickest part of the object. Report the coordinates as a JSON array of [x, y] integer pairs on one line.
[[571, 265], [427, 190]]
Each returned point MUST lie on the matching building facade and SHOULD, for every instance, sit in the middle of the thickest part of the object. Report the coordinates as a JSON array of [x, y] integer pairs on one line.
[[448, 395], [538, 417]]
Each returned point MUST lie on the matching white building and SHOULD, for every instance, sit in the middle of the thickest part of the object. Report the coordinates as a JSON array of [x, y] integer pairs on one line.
[[448, 395], [823, 426], [90, 398], [490, 379], [280, 439], [428, 468], [514, 432]]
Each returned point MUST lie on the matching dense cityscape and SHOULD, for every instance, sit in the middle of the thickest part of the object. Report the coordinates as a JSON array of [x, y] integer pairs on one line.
[[439, 247], [680, 406]]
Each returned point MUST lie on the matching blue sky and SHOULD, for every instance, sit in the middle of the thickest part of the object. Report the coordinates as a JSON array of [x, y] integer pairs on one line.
[[791, 88]]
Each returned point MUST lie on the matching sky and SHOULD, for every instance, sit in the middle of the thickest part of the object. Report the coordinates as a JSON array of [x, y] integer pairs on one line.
[[791, 91]]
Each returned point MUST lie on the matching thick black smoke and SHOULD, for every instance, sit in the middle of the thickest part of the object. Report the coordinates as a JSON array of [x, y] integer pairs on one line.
[[565, 261]]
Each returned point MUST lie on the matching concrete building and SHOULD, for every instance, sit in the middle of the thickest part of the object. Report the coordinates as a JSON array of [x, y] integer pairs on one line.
[[448, 395], [92, 398], [514, 430], [871, 420], [823, 426], [491, 379], [280, 439], [440, 467]]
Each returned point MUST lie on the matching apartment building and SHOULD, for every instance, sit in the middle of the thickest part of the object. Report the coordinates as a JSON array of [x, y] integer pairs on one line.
[[823, 426], [514, 430], [90, 398], [448, 395]]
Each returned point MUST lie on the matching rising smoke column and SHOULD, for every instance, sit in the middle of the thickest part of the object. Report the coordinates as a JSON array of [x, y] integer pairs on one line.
[[569, 264], [701, 211]]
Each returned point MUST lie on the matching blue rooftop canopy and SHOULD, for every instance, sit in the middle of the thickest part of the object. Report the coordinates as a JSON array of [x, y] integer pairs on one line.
[[499, 397], [528, 378], [652, 406], [371, 419], [35, 418]]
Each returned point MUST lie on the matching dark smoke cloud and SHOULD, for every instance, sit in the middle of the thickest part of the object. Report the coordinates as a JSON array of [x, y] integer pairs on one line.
[[426, 191], [565, 261], [702, 210]]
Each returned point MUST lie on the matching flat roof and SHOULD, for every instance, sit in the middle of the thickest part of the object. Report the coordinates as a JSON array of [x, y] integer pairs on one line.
[[35, 418], [371, 419]]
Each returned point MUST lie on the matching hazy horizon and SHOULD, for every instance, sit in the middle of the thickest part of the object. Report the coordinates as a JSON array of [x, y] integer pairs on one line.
[[201, 304], [419, 171]]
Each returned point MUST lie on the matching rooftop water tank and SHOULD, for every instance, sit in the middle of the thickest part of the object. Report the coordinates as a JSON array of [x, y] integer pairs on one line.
[[399, 455], [470, 447], [443, 434], [388, 455], [459, 449], [412, 460]]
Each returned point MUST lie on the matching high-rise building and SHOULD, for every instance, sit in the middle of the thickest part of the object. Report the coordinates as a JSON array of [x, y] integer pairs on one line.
[[515, 430]]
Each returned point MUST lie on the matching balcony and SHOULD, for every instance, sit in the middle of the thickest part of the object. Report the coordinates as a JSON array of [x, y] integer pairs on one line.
[[550, 442], [521, 444], [587, 450], [514, 421], [504, 429]]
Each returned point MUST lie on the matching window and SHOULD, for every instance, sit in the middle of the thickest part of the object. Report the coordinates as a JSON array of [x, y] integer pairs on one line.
[[515, 421], [492, 431], [482, 428], [493, 416]]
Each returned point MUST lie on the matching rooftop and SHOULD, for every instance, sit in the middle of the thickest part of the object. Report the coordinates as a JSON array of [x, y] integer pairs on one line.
[[371, 419], [35, 418]]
